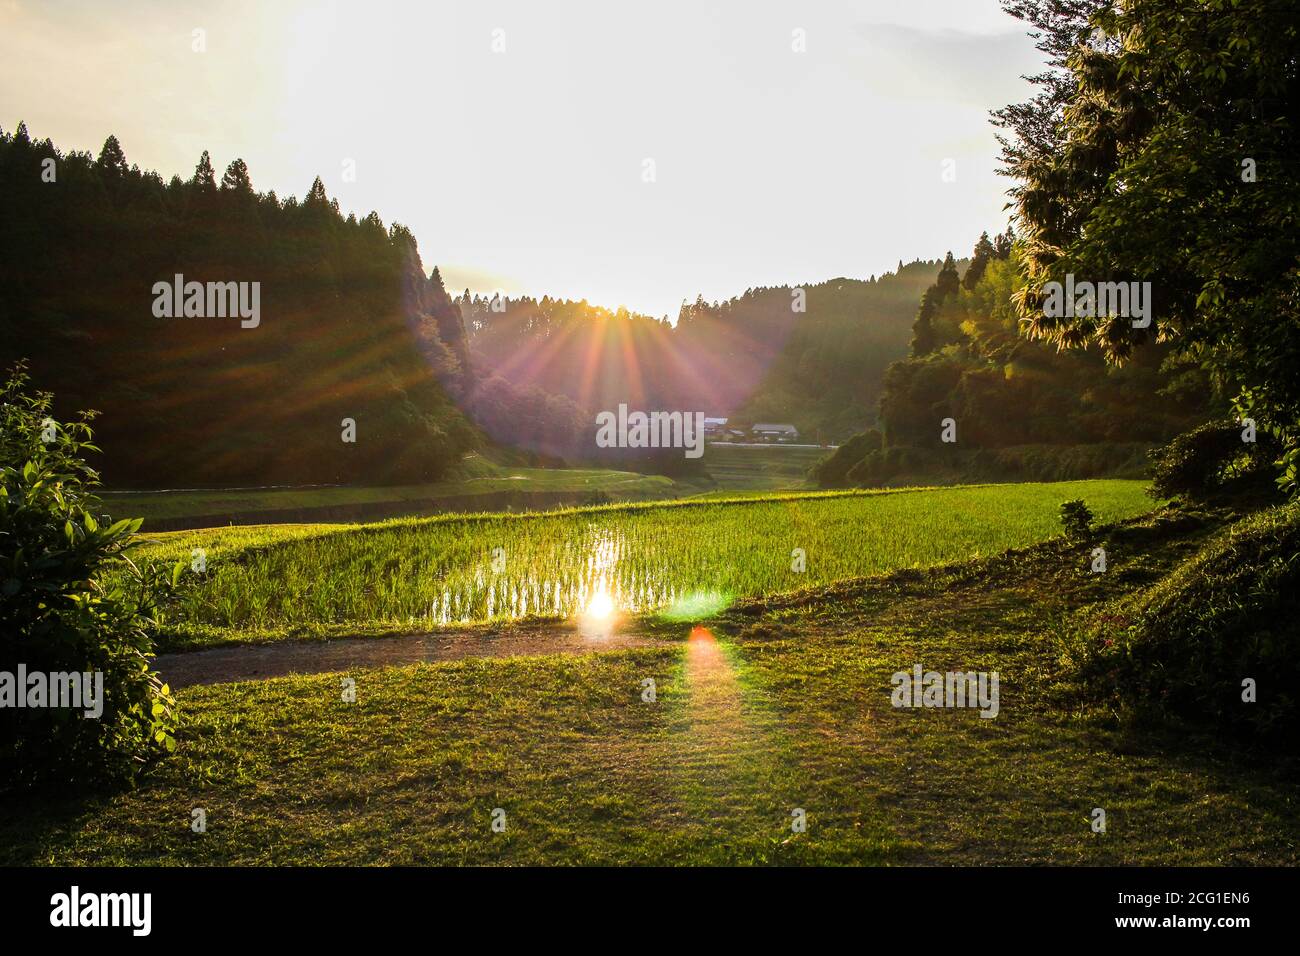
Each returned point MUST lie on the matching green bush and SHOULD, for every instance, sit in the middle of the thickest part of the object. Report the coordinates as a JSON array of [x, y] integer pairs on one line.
[[71, 600], [862, 462], [1065, 462], [1076, 518], [867, 472], [1200, 462], [834, 470], [1184, 647]]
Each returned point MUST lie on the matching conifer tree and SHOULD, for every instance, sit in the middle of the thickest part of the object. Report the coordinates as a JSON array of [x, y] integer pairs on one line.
[[205, 179], [112, 160], [236, 178], [984, 252]]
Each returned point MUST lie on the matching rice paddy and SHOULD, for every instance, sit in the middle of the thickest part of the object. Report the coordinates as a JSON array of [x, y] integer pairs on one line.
[[682, 560]]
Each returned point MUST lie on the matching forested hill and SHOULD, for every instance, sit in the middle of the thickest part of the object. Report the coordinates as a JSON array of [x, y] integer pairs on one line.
[[348, 325], [1020, 408], [813, 355], [353, 339], [826, 377]]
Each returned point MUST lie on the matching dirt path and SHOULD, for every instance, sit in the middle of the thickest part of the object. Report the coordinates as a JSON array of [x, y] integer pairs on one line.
[[221, 665]]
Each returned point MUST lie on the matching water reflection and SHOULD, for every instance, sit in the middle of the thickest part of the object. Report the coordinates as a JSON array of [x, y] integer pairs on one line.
[[595, 579]]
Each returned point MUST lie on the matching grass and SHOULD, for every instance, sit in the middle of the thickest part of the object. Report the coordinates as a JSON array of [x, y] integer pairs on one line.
[[731, 469], [782, 704], [1184, 646], [218, 504], [300, 581]]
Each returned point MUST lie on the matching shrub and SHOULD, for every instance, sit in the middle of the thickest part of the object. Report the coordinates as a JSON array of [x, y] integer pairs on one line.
[[1230, 612], [72, 601], [1199, 462], [1076, 518], [867, 472], [834, 470]]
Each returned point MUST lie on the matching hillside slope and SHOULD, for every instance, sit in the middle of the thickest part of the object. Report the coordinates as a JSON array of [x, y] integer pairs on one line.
[[341, 323]]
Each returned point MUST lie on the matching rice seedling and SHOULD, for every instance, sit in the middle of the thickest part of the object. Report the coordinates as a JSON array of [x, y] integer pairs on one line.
[[680, 559]]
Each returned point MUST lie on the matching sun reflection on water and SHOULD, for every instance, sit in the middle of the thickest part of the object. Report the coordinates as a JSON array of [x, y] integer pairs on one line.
[[601, 606]]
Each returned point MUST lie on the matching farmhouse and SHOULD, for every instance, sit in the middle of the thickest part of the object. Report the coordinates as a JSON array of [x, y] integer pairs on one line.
[[714, 427], [783, 434]]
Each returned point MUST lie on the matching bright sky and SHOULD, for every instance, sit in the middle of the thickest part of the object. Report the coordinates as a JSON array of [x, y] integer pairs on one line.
[[525, 169]]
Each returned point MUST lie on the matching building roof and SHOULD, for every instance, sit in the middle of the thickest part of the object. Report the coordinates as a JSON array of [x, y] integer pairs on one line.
[[768, 427]]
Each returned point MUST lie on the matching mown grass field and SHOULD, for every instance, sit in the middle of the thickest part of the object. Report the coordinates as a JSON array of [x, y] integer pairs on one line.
[[680, 559], [780, 704]]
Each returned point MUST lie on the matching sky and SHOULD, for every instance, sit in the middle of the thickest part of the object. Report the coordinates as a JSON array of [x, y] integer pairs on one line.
[[628, 154]]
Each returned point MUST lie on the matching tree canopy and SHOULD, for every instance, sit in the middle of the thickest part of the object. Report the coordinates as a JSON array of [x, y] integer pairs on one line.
[[350, 328], [1161, 147]]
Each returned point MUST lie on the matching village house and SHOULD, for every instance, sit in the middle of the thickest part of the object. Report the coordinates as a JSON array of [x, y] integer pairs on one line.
[[715, 428], [780, 433]]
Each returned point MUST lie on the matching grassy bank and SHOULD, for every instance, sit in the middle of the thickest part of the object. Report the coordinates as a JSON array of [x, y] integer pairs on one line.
[[481, 485]]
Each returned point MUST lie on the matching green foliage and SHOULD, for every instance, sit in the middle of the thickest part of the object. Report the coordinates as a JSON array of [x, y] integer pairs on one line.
[[1200, 462], [833, 470], [1161, 148], [1004, 390], [62, 611], [1230, 612], [1288, 478], [1025, 411], [979, 261], [1076, 518], [925, 338]]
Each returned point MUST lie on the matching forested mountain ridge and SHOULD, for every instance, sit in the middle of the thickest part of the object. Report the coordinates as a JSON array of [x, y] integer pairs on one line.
[[811, 355], [827, 377], [349, 327]]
